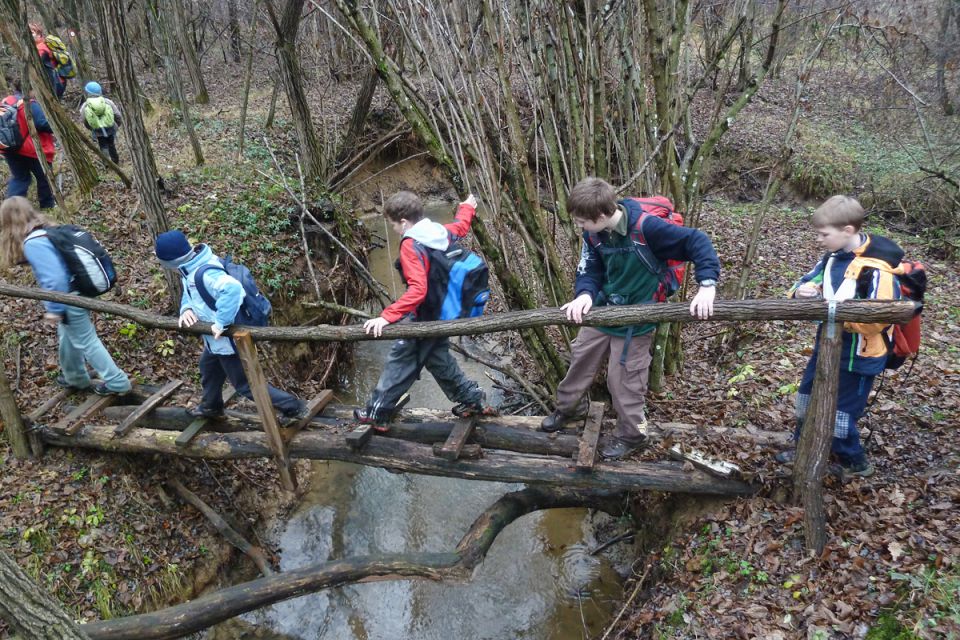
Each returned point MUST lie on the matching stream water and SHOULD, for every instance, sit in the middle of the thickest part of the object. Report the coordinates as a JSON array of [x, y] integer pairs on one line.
[[538, 580]]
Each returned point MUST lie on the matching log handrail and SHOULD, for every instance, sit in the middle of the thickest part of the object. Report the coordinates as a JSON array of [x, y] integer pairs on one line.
[[887, 312]]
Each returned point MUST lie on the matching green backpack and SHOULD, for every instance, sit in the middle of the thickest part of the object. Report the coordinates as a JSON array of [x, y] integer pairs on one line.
[[99, 114]]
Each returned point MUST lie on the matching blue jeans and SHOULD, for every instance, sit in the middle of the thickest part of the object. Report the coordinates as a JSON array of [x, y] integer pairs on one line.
[[852, 392], [21, 170], [79, 346], [216, 369]]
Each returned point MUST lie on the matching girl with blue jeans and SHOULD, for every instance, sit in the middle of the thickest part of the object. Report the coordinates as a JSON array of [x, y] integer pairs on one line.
[[23, 239]]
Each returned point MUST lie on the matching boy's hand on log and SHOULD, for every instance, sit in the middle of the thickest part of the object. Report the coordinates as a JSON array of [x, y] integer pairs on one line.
[[578, 307], [702, 304], [217, 330], [375, 326], [471, 200], [187, 319], [807, 290]]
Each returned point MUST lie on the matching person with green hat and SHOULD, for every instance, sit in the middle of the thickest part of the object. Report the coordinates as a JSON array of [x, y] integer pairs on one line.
[[102, 116]]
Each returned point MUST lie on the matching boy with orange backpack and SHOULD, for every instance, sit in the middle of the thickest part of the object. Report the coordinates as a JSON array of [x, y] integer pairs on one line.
[[857, 266], [633, 253]]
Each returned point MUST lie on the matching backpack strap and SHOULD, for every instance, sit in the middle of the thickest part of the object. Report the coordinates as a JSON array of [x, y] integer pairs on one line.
[[202, 288], [652, 264]]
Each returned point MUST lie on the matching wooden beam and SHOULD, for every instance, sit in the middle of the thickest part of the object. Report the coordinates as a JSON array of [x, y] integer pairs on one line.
[[399, 455], [701, 461], [469, 451], [201, 423], [49, 404], [261, 396], [314, 407], [587, 454], [72, 422], [462, 430], [359, 437], [146, 407]]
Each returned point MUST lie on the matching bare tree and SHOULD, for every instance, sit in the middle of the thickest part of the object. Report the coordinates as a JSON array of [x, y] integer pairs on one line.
[[190, 57], [32, 613]]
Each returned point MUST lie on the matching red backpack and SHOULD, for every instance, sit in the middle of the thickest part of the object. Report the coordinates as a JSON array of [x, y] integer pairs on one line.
[[669, 273], [905, 342]]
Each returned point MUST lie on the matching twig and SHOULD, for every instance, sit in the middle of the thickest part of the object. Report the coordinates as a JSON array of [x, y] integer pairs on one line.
[[646, 164], [629, 601], [387, 168], [609, 543], [507, 371], [333, 306]]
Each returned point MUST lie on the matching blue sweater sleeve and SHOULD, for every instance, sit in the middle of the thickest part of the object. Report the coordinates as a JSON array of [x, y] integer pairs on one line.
[[672, 242], [589, 271], [40, 118], [48, 268]]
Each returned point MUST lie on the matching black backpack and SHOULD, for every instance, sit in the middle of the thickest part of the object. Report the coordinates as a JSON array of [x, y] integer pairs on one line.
[[90, 266], [11, 138]]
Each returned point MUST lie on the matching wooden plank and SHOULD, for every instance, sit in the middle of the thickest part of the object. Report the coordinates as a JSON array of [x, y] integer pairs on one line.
[[72, 422], [469, 451], [587, 455], [261, 396], [314, 407], [197, 425], [700, 460], [360, 436], [40, 411], [140, 412], [462, 430]]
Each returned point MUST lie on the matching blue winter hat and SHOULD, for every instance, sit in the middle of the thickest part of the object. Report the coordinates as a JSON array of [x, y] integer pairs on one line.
[[173, 248], [93, 88]]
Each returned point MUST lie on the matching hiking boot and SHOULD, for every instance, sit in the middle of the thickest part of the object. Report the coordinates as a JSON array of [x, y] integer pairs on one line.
[[201, 411], [470, 409], [555, 421], [63, 384], [297, 414], [614, 448], [787, 456], [363, 417], [103, 390], [858, 469]]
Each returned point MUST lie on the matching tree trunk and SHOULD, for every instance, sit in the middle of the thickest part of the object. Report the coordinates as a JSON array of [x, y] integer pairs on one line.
[[288, 55], [234, 18], [190, 57], [32, 613], [172, 69], [248, 72], [13, 424], [146, 177], [946, 45]]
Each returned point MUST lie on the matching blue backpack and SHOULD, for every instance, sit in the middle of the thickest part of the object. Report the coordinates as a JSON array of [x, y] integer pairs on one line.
[[255, 309], [457, 283]]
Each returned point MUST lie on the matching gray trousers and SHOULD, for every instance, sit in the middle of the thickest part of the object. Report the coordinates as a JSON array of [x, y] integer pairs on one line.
[[626, 381], [217, 369], [406, 360]]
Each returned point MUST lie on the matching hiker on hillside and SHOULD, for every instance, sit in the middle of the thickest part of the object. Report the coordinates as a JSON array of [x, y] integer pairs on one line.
[[57, 82], [22, 159], [23, 238], [420, 239], [202, 275], [102, 116], [864, 348], [632, 252]]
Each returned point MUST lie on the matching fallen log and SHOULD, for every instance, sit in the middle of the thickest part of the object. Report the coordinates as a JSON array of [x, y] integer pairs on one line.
[[210, 609], [399, 455], [724, 310]]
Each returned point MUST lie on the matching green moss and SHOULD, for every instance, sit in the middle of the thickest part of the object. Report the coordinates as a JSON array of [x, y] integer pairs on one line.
[[889, 628]]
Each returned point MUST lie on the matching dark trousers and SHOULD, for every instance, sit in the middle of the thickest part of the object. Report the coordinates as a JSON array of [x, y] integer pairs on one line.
[[852, 392], [21, 170], [406, 360], [108, 146], [217, 369]]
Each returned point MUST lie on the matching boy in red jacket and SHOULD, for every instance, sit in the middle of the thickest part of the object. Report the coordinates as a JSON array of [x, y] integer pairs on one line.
[[23, 162], [408, 357]]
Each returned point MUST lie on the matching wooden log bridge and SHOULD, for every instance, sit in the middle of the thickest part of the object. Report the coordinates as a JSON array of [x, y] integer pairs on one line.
[[512, 451]]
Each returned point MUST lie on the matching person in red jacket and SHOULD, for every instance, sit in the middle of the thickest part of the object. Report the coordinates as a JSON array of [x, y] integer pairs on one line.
[[23, 162], [57, 83], [407, 358]]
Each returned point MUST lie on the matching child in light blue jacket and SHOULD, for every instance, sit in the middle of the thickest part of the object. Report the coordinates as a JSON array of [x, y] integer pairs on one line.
[[22, 238], [219, 361]]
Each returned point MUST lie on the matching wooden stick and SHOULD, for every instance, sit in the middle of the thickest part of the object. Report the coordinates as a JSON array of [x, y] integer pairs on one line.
[[201, 423], [261, 396], [462, 430], [233, 537], [587, 455], [140, 412], [314, 407], [50, 403], [816, 436], [13, 423]]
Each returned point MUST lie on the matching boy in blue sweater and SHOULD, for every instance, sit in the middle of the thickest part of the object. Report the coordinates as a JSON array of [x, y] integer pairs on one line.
[[219, 361], [857, 265], [612, 271]]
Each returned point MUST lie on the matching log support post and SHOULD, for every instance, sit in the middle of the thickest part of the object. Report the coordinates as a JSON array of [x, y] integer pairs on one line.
[[13, 423], [587, 451], [816, 436], [261, 396]]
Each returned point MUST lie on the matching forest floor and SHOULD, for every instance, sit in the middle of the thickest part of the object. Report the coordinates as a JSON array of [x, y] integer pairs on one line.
[[105, 535]]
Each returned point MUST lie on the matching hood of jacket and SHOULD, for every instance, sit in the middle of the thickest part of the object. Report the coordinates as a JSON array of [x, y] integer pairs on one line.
[[880, 248], [202, 255], [430, 234]]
